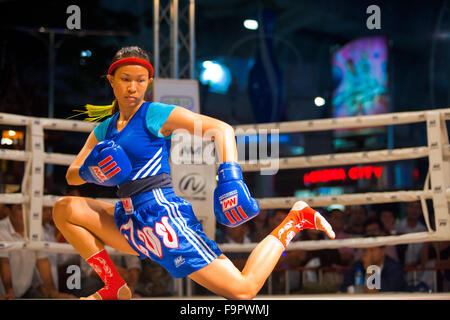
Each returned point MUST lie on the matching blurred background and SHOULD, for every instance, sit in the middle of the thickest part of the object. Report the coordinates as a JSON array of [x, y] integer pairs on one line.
[[256, 61]]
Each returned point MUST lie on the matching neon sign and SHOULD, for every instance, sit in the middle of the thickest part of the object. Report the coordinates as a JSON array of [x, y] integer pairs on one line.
[[340, 174]]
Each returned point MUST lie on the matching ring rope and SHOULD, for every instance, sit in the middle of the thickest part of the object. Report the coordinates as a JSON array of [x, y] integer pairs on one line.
[[416, 237], [341, 159], [349, 199], [379, 120], [282, 202]]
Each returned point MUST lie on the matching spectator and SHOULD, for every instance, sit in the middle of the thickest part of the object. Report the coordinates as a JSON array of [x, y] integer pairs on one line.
[[436, 254], [337, 220], [311, 281], [58, 261], [156, 281], [4, 210], [387, 218], [413, 253], [24, 273], [48, 234], [374, 227], [357, 217], [391, 276], [260, 226], [238, 235]]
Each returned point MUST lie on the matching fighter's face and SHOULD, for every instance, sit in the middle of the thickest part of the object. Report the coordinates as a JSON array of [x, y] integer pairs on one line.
[[129, 83]]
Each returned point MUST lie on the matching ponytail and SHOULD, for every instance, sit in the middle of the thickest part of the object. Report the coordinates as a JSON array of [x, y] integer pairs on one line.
[[96, 113]]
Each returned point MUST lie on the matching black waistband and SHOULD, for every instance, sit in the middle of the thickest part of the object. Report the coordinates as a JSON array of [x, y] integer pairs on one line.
[[133, 187]]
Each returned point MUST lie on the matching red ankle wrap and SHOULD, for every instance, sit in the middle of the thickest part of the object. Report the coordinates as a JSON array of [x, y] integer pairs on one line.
[[104, 267], [296, 220]]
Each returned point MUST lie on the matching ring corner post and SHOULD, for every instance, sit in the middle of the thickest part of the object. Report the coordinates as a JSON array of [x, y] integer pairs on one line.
[[439, 168]]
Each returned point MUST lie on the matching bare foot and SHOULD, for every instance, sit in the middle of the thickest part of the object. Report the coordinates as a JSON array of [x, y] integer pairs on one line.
[[123, 294], [323, 225]]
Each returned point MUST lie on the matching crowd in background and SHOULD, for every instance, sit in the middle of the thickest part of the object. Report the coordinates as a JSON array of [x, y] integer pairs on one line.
[[404, 267]]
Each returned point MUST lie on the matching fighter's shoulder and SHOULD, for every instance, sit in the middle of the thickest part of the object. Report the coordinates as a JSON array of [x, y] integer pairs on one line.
[[101, 129], [156, 116]]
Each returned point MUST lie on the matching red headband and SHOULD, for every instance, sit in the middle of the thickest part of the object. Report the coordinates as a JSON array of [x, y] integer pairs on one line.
[[123, 61]]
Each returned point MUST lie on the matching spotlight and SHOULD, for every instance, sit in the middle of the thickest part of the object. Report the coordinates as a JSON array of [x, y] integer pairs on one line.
[[6, 141], [216, 75], [251, 24], [319, 101], [85, 53]]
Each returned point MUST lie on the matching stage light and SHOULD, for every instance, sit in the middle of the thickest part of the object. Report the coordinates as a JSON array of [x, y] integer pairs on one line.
[[216, 75], [7, 141], [251, 24], [12, 134], [319, 101], [85, 53]]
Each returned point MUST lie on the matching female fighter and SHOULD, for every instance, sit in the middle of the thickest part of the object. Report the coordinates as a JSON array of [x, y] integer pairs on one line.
[[130, 149]]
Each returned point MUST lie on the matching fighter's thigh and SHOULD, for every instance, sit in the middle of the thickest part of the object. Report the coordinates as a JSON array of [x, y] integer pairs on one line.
[[96, 216]]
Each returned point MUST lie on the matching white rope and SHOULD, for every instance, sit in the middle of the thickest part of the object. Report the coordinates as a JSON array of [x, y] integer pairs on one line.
[[282, 202], [46, 246], [339, 243], [59, 158], [14, 119], [68, 125], [13, 198], [15, 155], [348, 199], [341, 159], [386, 119], [356, 242], [49, 200], [50, 124], [380, 120], [284, 163]]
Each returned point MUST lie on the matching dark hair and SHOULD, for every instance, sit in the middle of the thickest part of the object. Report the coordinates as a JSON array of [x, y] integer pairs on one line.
[[372, 221], [129, 52]]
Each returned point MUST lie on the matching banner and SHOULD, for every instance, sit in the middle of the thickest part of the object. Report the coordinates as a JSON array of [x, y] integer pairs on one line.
[[180, 92], [194, 179]]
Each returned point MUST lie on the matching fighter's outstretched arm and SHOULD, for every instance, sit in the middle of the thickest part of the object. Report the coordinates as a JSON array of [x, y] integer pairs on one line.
[[72, 175], [197, 124]]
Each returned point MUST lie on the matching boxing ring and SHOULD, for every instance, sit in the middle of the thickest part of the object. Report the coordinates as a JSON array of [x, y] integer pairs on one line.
[[436, 187]]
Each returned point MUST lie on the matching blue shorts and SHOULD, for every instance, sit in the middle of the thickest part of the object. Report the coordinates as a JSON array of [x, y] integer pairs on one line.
[[162, 226]]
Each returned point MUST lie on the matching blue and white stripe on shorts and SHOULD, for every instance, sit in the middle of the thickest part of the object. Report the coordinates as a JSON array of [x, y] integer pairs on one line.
[[164, 228]]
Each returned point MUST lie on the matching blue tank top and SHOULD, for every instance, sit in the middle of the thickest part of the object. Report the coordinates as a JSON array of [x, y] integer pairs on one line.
[[146, 148]]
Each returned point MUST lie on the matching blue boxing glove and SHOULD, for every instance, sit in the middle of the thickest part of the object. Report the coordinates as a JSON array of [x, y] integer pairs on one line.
[[106, 165], [233, 204]]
